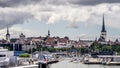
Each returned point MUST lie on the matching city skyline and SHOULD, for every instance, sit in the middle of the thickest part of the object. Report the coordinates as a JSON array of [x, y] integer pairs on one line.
[[73, 18]]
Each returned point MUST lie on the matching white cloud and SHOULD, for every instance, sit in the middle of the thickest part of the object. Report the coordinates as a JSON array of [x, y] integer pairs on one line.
[[52, 14], [16, 31], [85, 37], [74, 15]]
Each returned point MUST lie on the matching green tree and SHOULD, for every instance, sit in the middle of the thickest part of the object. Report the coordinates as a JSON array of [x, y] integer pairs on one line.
[[38, 47], [84, 50], [106, 48], [66, 37], [33, 49], [95, 47], [118, 49]]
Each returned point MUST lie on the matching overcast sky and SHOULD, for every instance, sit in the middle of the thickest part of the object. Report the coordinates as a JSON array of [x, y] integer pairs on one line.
[[73, 18]]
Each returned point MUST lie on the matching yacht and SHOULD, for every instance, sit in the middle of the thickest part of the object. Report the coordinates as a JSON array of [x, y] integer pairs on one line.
[[110, 59]]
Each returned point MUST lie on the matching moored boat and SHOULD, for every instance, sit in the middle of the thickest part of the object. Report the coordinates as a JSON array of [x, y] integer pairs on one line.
[[75, 60], [111, 59]]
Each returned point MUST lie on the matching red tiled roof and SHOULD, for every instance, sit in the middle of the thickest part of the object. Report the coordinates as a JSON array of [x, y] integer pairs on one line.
[[62, 40], [50, 41]]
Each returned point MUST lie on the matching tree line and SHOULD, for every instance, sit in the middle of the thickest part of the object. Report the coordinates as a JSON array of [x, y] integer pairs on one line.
[[95, 47], [98, 47]]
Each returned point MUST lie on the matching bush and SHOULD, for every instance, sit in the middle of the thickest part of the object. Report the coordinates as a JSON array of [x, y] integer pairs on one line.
[[25, 55]]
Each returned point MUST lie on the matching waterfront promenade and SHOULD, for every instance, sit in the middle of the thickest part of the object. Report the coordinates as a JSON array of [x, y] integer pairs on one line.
[[67, 64]]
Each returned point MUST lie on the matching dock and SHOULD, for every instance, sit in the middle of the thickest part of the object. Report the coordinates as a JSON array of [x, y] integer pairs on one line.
[[103, 59], [92, 61], [28, 66]]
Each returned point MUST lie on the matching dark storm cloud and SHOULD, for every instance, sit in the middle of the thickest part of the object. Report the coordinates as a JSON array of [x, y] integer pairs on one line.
[[16, 12], [12, 18], [93, 2], [9, 3]]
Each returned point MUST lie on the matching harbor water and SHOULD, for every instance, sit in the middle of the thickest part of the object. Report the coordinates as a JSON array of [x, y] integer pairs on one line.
[[67, 64]]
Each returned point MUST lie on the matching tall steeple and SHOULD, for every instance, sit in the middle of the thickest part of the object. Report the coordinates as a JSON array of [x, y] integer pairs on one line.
[[103, 32], [7, 30], [48, 33], [8, 35], [103, 25]]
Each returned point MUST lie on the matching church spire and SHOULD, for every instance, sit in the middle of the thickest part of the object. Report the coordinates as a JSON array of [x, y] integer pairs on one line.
[[103, 32], [103, 25], [8, 35], [7, 30], [48, 33]]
